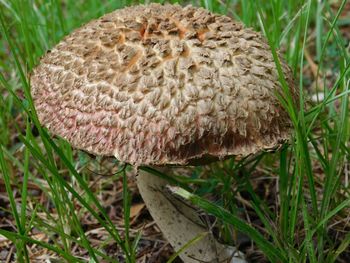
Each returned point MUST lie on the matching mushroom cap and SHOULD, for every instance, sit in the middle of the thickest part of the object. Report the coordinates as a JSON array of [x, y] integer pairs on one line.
[[162, 84]]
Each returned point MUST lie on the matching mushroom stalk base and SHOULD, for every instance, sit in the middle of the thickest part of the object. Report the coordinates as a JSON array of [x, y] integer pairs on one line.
[[179, 224]]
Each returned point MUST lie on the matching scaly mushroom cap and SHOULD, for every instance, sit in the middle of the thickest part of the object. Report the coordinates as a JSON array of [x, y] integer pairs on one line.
[[162, 85]]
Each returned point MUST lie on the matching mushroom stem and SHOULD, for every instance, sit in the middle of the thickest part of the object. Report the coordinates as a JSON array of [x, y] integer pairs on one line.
[[180, 224]]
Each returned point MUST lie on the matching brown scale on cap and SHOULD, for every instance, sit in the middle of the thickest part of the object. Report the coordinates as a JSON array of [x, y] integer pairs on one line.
[[162, 85]]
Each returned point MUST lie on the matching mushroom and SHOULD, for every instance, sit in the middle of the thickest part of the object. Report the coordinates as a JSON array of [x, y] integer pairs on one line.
[[157, 85]]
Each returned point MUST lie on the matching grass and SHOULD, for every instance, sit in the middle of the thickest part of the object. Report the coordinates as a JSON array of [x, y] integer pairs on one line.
[[292, 205]]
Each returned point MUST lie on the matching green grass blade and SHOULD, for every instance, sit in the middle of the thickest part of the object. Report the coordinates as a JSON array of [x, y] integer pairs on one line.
[[269, 249]]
